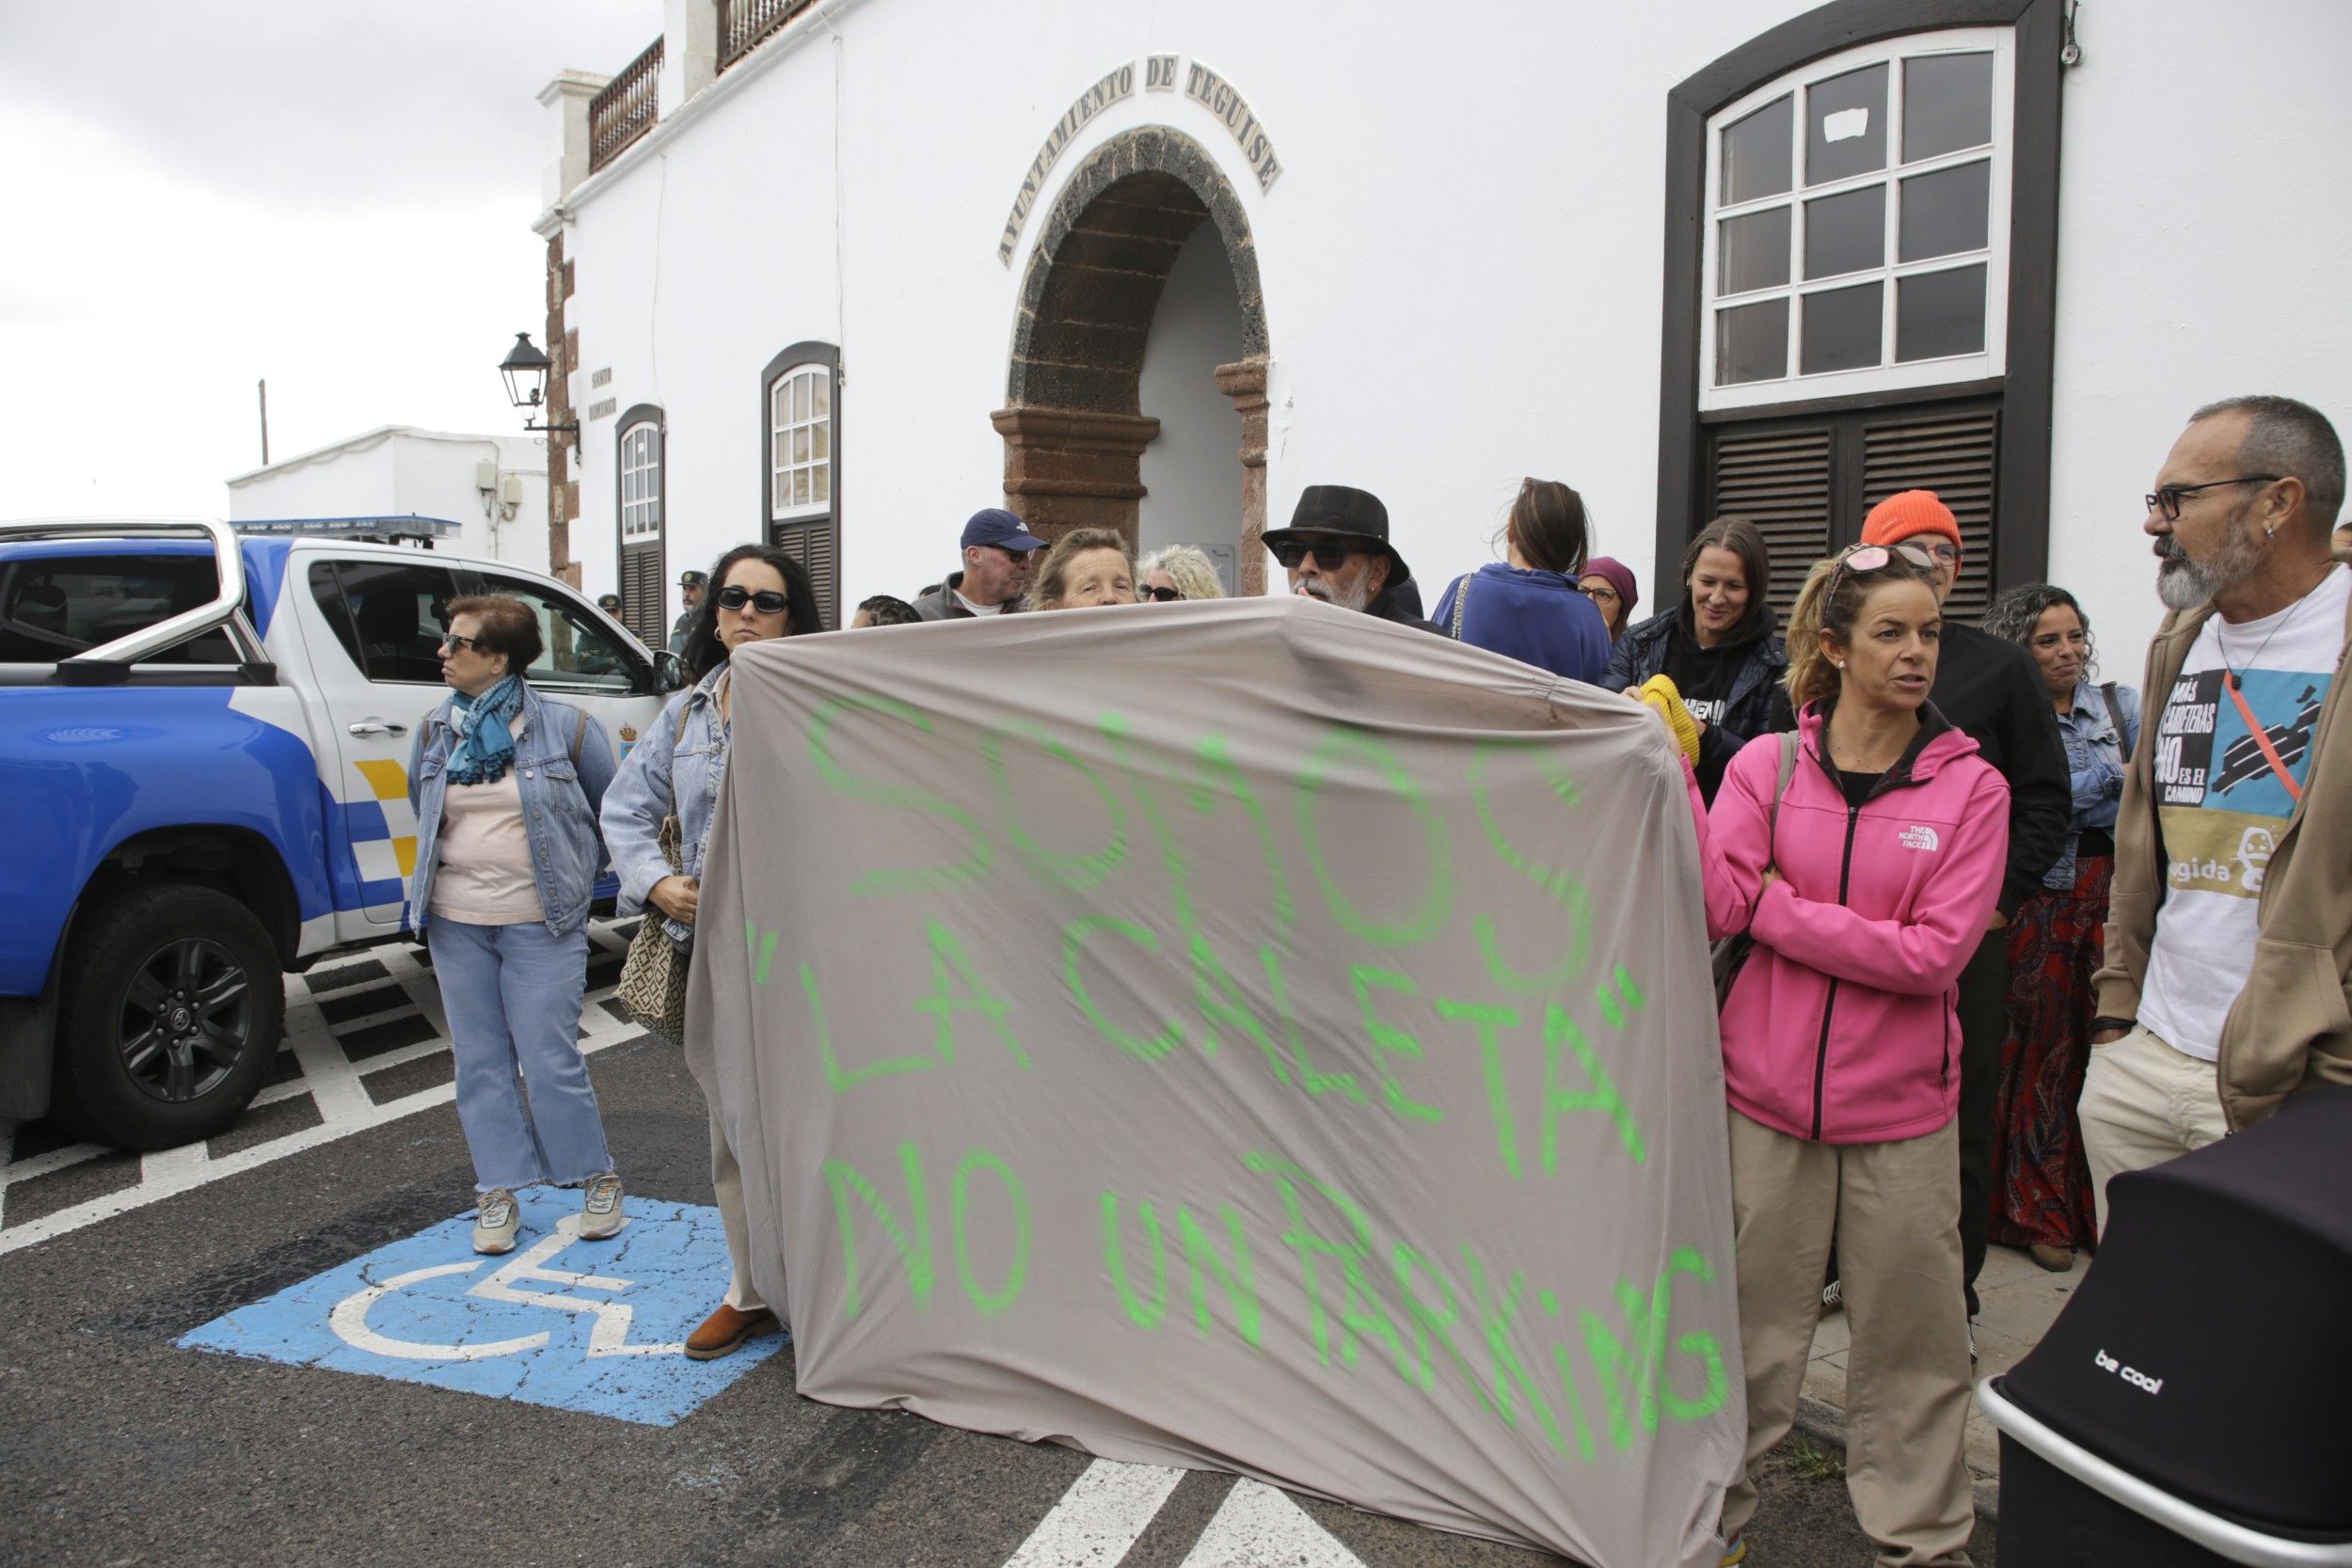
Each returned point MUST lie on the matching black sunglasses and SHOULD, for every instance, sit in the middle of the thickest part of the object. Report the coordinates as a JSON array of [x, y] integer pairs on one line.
[[452, 639], [2167, 499], [1290, 552], [766, 601], [1165, 595]]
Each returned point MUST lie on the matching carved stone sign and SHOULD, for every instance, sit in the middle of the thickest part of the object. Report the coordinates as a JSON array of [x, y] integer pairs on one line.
[[1114, 85], [1162, 74]]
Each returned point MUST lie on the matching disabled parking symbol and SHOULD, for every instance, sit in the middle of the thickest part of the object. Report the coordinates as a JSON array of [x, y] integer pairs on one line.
[[594, 1326]]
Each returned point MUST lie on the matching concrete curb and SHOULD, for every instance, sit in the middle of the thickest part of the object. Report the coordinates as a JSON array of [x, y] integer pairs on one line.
[[1824, 1425]]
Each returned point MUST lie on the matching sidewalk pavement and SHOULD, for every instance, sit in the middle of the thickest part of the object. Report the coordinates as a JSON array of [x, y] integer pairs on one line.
[[2017, 1301]]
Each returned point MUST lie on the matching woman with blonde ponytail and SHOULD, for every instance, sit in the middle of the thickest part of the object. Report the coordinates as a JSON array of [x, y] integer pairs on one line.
[[1866, 885]]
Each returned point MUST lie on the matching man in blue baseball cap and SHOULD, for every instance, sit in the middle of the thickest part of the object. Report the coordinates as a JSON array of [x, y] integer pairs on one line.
[[997, 553]]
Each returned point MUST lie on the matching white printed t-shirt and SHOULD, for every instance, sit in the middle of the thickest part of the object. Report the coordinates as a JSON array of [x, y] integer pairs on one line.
[[2221, 806]]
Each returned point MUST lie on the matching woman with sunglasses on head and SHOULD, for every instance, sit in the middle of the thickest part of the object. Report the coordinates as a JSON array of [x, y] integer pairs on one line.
[[1528, 606], [1086, 568], [1718, 647], [757, 592], [1179, 573], [2042, 1193], [506, 785], [1863, 885]]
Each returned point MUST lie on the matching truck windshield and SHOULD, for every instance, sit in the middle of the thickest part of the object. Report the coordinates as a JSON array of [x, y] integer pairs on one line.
[[52, 608]]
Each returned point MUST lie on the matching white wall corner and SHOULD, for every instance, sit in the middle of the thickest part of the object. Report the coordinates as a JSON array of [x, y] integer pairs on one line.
[[567, 98], [689, 51]]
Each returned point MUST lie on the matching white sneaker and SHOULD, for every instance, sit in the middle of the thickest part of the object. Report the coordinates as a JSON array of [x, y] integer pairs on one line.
[[495, 1222], [600, 1210]]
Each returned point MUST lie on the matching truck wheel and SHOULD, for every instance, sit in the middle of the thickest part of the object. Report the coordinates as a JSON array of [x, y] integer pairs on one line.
[[173, 1007]]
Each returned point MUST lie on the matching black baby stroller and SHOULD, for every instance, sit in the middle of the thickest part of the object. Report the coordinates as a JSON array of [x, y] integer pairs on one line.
[[2193, 1404]]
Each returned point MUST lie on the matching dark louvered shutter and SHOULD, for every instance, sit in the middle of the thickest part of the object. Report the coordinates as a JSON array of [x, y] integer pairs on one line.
[[1954, 452], [1779, 480], [816, 545], [640, 593]]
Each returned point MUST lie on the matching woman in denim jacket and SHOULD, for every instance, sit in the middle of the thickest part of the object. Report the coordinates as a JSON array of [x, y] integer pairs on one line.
[[506, 785], [757, 592], [2042, 1189]]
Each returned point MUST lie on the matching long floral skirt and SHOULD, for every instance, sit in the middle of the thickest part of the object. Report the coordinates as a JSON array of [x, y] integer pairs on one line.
[[2041, 1182]]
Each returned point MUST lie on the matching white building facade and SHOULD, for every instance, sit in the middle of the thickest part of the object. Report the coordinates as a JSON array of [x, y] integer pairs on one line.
[[840, 274], [494, 488]]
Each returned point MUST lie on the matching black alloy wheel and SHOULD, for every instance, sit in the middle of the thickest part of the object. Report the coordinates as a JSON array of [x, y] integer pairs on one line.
[[187, 1019]]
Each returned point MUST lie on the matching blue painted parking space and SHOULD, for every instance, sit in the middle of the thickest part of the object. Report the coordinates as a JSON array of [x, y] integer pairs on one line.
[[594, 1326]]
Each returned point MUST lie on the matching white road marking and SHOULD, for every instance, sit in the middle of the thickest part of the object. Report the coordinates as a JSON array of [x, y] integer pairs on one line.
[[1098, 1519], [1257, 1526], [349, 1319], [329, 1074], [608, 1336]]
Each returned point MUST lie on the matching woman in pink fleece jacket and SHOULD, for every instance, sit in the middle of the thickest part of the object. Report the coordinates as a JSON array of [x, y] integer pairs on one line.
[[1866, 896]]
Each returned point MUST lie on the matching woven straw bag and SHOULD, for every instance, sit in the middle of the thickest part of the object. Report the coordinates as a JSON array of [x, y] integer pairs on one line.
[[653, 980]]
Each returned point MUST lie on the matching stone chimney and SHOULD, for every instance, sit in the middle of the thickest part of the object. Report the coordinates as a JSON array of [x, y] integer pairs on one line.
[[568, 96], [689, 51]]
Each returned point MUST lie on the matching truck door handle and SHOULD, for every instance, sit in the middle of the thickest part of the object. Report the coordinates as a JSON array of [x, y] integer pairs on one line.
[[378, 726]]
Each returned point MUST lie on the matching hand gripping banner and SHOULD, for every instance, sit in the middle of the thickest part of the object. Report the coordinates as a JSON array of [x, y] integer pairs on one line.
[[1244, 1035]]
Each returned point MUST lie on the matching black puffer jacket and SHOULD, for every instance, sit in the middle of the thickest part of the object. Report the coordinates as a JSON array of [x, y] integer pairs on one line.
[[1643, 652]]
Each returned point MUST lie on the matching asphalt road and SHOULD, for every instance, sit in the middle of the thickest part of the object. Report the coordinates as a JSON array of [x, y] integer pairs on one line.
[[119, 1445]]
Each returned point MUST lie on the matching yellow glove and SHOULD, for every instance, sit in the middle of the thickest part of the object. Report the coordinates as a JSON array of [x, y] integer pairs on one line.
[[1659, 692]]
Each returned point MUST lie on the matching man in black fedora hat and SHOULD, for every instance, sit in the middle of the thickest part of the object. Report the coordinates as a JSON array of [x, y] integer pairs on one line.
[[690, 593], [1337, 549]]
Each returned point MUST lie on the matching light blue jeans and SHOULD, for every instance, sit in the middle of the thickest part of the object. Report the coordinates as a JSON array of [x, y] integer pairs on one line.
[[513, 995]]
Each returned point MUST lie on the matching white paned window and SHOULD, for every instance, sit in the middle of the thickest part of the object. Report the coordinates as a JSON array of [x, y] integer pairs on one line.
[[800, 443], [1857, 224], [641, 484]]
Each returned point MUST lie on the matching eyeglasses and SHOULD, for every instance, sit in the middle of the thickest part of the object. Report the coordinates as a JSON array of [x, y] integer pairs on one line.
[[766, 601], [453, 641], [2166, 497], [1610, 594], [1943, 549], [1165, 595], [1331, 557]]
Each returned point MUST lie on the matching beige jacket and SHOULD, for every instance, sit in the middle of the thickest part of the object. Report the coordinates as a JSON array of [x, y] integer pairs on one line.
[[2291, 1025]]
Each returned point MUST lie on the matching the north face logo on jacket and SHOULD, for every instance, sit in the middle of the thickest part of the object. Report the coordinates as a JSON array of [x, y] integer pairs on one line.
[[1919, 838]]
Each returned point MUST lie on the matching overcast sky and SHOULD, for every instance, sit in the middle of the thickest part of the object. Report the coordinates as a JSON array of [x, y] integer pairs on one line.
[[336, 197]]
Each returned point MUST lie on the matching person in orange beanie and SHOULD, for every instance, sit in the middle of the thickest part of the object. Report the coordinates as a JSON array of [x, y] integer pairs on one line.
[[1990, 688]]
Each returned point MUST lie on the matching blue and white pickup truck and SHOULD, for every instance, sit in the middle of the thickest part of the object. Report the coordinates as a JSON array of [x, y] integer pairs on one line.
[[204, 742]]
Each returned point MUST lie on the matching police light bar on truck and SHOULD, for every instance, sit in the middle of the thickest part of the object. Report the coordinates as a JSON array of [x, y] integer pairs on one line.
[[378, 530]]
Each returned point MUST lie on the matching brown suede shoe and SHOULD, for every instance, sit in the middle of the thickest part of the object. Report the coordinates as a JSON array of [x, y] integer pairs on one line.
[[2058, 1259], [724, 1332]]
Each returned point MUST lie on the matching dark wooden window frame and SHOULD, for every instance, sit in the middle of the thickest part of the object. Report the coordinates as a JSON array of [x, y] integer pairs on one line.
[[643, 413], [809, 353], [2022, 540]]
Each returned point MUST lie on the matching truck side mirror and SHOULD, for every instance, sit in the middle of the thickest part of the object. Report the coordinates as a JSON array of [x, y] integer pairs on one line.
[[669, 673]]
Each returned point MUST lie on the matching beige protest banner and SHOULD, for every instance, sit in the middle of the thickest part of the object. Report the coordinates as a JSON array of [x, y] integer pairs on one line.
[[1244, 1035]]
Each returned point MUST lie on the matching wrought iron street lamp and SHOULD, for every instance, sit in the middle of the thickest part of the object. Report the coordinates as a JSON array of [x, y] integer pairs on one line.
[[525, 370]]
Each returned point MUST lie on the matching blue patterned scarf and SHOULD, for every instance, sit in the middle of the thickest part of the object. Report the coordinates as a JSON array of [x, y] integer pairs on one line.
[[484, 746]]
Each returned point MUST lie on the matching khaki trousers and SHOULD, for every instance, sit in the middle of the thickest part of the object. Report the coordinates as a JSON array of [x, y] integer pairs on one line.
[[2145, 1102], [1892, 1208], [726, 1180]]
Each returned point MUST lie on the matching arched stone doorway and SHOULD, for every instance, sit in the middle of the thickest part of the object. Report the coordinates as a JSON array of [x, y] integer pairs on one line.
[[1074, 427]]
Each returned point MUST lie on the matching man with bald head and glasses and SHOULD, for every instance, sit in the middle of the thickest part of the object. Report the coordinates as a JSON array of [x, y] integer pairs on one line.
[[1337, 549], [2228, 941]]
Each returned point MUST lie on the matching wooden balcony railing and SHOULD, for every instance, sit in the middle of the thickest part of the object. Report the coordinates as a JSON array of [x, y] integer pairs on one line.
[[744, 24], [625, 107]]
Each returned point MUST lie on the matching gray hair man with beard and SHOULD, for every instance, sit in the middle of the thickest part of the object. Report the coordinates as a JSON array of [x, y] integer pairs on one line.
[[1337, 549], [2229, 938]]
